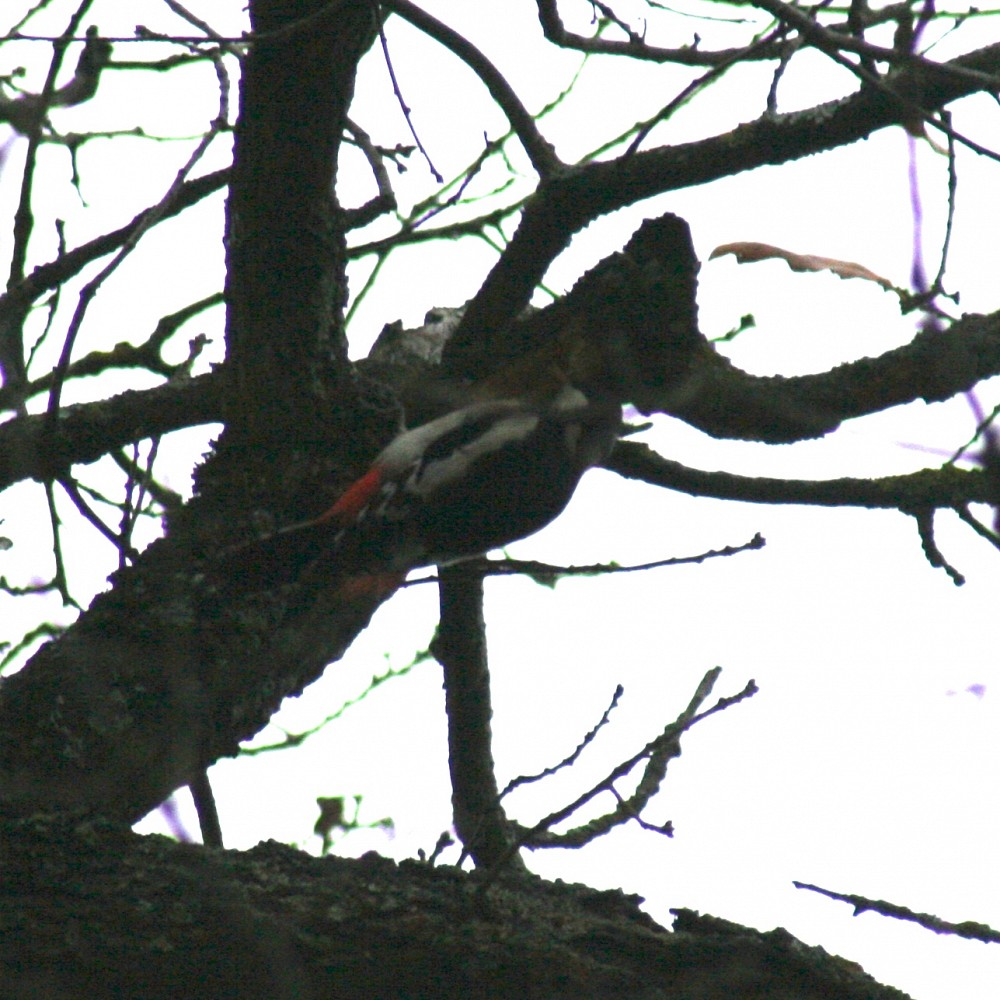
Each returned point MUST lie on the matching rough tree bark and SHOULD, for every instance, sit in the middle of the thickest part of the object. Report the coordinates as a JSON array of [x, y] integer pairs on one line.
[[91, 910], [172, 668]]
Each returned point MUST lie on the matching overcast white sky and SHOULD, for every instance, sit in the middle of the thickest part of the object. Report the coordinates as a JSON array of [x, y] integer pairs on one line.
[[868, 762]]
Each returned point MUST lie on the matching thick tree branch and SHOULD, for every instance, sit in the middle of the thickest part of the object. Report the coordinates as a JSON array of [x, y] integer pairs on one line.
[[460, 648], [929, 488], [567, 202], [85, 432], [729, 403], [161, 920], [934, 366]]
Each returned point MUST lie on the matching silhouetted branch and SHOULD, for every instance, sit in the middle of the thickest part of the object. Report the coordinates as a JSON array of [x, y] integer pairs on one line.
[[460, 648], [969, 929]]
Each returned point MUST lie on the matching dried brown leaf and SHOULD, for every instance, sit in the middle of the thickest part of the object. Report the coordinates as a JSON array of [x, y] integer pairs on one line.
[[747, 252]]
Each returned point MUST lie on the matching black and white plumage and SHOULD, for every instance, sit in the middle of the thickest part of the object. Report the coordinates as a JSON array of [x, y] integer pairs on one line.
[[475, 479]]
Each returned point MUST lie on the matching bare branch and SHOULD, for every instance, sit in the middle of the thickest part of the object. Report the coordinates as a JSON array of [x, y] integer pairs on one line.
[[924, 516], [150, 219], [572, 757], [657, 754], [146, 355], [969, 929], [168, 499], [11, 343], [17, 300], [831, 40], [548, 575], [936, 365], [540, 151], [567, 202], [385, 201], [91, 516], [637, 48], [460, 648], [86, 431], [932, 488]]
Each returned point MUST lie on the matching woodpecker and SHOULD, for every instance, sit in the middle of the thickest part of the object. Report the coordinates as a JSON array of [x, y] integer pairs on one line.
[[475, 479]]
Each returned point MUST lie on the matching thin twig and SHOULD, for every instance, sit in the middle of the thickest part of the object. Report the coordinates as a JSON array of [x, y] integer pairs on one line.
[[965, 515], [11, 331], [168, 499], [833, 45], [148, 220], [73, 491], [567, 761], [924, 517], [186, 15], [539, 150], [657, 752], [208, 812], [297, 739], [59, 580], [404, 107], [385, 200], [966, 929], [710, 76]]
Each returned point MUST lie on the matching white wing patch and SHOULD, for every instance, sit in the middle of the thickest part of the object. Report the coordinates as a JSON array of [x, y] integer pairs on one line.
[[436, 475]]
